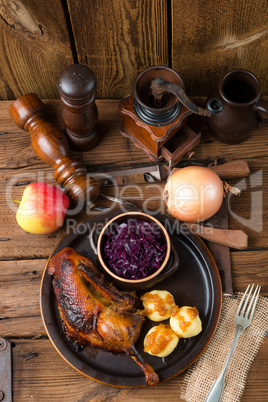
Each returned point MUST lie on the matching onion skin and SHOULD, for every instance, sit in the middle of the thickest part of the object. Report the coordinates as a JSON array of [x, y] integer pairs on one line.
[[193, 194]]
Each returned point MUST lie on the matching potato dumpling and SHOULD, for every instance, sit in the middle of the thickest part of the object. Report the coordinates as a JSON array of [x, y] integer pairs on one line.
[[158, 304], [160, 341], [185, 321]]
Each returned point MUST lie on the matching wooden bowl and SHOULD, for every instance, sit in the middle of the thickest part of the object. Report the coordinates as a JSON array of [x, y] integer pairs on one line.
[[168, 267]]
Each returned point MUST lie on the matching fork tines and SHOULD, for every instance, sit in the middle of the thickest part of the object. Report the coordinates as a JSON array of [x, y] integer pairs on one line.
[[247, 308]]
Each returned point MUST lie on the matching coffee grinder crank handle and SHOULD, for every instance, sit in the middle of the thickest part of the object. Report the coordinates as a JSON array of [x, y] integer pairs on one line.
[[159, 86]]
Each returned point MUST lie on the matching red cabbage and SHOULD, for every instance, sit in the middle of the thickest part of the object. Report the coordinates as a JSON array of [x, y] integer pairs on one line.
[[134, 249]]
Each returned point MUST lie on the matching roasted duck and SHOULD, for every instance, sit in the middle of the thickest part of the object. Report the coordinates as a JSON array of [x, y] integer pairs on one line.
[[93, 312]]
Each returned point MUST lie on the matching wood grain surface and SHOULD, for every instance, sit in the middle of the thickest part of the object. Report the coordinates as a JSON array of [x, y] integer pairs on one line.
[[34, 47], [21, 323], [116, 152], [211, 38], [201, 40], [48, 377], [119, 39], [39, 373]]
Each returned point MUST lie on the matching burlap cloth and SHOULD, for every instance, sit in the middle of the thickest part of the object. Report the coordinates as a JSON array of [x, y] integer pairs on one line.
[[201, 375]]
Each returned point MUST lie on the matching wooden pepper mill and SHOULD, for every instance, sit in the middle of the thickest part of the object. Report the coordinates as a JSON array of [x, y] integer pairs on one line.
[[51, 145], [76, 86]]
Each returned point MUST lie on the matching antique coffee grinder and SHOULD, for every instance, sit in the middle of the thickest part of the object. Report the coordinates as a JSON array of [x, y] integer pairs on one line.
[[157, 110]]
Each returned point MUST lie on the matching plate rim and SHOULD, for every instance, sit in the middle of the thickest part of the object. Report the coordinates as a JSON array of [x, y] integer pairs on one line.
[[194, 239]]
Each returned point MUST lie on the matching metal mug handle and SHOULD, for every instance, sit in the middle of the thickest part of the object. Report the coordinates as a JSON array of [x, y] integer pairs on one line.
[[159, 86]]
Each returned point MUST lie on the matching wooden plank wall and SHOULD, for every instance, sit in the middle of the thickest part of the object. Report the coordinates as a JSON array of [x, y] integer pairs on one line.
[[34, 47], [200, 39], [118, 39], [212, 37]]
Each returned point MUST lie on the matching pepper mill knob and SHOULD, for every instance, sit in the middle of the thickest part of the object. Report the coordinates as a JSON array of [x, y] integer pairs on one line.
[[51, 145], [76, 85]]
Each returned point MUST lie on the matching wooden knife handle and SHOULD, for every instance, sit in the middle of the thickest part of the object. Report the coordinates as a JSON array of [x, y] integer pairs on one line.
[[51, 145], [233, 169], [229, 170], [232, 238]]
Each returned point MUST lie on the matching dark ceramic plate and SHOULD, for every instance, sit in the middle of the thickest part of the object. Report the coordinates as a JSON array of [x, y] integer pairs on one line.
[[196, 283]]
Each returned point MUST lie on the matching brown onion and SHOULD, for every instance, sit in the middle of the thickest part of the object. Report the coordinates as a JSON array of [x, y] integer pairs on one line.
[[193, 193]]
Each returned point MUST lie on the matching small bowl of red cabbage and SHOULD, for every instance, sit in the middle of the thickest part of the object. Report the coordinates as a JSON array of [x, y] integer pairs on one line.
[[134, 249]]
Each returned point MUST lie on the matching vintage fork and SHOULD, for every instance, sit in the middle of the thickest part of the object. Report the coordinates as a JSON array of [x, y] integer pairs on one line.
[[243, 319]]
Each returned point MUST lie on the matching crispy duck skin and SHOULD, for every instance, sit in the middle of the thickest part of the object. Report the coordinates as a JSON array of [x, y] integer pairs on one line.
[[93, 312]]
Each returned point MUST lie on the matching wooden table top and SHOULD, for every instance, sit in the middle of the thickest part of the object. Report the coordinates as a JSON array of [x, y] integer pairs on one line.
[[23, 256]]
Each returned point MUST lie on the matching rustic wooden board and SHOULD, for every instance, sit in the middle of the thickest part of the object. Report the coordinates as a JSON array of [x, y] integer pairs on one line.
[[113, 147], [211, 38], [34, 47], [47, 371], [15, 242], [20, 312], [118, 39], [47, 374], [19, 165], [23, 255]]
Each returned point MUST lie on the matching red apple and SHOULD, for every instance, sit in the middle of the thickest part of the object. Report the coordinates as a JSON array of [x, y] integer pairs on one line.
[[42, 208]]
